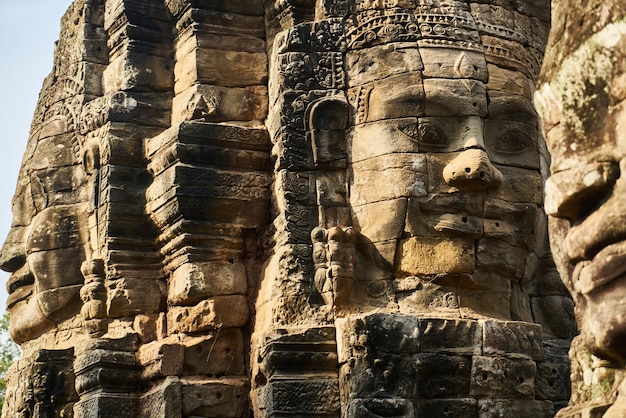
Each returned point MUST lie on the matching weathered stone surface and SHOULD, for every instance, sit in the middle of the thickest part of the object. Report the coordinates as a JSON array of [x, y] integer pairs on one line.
[[163, 401], [451, 336], [301, 397], [398, 96], [292, 208], [443, 376], [194, 282], [515, 408], [210, 314], [380, 407], [460, 408], [581, 100], [436, 255], [366, 65], [223, 398], [160, 359], [519, 338], [217, 354], [503, 378]]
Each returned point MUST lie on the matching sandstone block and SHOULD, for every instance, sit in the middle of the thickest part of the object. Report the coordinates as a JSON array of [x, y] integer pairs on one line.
[[220, 353], [292, 359], [311, 351], [57, 303], [501, 258], [508, 82], [512, 143], [402, 408], [214, 313], [380, 221], [219, 398], [382, 138], [192, 282], [135, 107], [218, 104], [553, 381], [362, 32], [373, 184], [437, 162], [330, 189], [520, 304], [503, 378], [492, 303], [513, 338], [457, 408], [163, 401], [301, 397], [453, 63], [131, 296], [451, 336], [90, 75], [520, 185], [443, 376], [160, 359], [136, 71], [385, 333], [514, 408], [394, 97], [374, 375], [517, 224], [417, 296], [105, 405], [371, 64], [310, 71], [305, 37], [424, 255], [446, 97], [245, 69]]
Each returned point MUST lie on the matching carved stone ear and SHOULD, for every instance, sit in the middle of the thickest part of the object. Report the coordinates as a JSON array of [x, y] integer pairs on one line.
[[91, 157], [327, 123]]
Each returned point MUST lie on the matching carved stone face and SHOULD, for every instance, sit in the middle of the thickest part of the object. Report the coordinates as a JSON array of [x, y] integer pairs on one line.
[[46, 245], [445, 178], [581, 100]]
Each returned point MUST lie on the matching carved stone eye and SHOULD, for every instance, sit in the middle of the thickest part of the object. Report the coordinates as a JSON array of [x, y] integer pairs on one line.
[[513, 141], [431, 136]]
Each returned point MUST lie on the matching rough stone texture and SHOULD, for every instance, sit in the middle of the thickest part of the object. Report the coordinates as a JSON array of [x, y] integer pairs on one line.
[[581, 99], [288, 208]]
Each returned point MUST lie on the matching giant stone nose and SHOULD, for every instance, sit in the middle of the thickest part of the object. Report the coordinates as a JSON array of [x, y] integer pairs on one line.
[[472, 170]]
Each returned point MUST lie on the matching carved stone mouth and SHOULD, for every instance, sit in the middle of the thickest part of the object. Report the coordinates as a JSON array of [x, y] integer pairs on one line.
[[607, 265], [20, 278], [19, 294], [469, 226]]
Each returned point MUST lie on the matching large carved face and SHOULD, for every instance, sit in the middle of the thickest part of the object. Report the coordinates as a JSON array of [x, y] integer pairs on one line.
[[581, 99], [445, 179], [45, 246]]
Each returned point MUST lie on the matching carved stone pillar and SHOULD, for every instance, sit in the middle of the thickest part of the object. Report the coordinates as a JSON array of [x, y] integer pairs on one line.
[[106, 378]]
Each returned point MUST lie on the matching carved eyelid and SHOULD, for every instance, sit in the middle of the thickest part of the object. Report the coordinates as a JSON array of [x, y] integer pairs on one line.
[[427, 131], [567, 190], [522, 142]]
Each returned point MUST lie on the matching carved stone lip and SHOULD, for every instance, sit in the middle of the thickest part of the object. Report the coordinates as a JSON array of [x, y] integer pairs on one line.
[[22, 277], [459, 224], [607, 265], [20, 294]]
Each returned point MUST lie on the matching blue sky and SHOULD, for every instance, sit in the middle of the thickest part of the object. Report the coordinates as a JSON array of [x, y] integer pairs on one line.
[[28, 31]]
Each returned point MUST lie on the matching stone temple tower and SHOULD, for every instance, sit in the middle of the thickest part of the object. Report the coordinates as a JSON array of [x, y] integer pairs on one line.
[[297, 208]]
